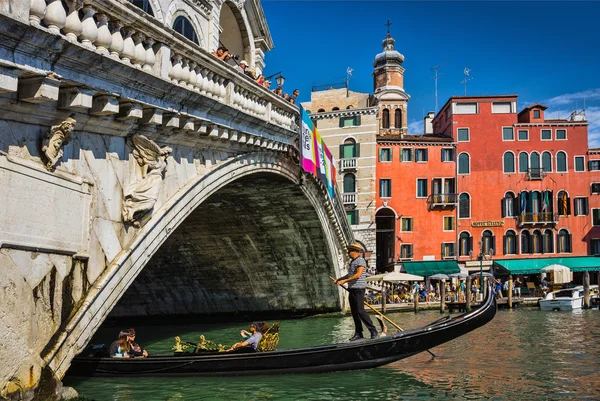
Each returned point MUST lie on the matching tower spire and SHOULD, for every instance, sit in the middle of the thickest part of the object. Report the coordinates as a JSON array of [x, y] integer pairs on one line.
[[388, 27]]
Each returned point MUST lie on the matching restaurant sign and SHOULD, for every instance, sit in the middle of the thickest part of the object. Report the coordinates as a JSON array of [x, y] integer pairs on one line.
[[489, 223]]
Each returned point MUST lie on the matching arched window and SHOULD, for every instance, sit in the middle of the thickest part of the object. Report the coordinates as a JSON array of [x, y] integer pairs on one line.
[[563, 241], [526, 246], [349, 107], [183, 26], [564, 203], [509, 162], [335, 109], [534, 160], [523, 162], [510, 206], [561, 162], [510, 243], [385, 118], [487, 242], [547, 241], [465, 244], [547, 162], [535, 204], [349, 183], [464, 164], [536, 241], [321, 111], [349, 149], [398, 118], [464, 206], [144, 5]]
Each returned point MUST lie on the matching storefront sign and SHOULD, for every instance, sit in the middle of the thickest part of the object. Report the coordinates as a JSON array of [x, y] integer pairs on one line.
[[489, 223]]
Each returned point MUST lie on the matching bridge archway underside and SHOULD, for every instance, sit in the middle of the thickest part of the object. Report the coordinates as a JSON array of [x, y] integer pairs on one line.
[[256, 245]]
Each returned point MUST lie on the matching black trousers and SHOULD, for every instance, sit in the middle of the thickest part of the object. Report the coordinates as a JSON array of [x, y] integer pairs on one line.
[[356, 297]]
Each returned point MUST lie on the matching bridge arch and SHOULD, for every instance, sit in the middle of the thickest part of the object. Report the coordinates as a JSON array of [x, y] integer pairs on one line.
[[197, 201]]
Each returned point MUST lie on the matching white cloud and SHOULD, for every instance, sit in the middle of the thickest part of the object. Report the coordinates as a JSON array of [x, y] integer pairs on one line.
[[592, 114], [570, 98], [415, 127]]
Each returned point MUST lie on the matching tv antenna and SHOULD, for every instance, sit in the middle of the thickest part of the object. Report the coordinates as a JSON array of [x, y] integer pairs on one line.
[[435, 79], [466, 79]]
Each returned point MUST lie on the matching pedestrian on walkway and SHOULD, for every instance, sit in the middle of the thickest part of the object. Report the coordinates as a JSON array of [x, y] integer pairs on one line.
[[356, 279]]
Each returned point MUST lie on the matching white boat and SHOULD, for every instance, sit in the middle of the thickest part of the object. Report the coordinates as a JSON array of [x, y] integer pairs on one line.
[[568, 299]]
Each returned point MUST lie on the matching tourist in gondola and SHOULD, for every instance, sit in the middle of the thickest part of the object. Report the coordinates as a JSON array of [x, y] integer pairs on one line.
[[356, 279], [135, 349], [120, 348], [252, 341]]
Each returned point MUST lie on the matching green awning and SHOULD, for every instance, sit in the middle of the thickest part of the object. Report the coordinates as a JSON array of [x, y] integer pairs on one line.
[[431, 267], [533, 266]]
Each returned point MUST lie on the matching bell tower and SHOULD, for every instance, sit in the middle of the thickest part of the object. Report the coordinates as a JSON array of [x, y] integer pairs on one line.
[[388, 88]]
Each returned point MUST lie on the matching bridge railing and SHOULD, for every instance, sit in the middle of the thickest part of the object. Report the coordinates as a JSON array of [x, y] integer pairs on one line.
[[123, 32]]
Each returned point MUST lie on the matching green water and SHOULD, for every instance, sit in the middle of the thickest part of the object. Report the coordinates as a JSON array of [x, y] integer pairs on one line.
[[521, 355]]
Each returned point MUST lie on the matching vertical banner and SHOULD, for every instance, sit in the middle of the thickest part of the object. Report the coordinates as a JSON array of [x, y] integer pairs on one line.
[[316, 158]]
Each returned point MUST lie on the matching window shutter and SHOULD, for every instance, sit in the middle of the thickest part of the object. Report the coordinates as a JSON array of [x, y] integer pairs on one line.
[[470, 245], [503, 206], [505, 245], [341, 151], [412, 155], [569, 243], [530, 244], [587, 207], [357, 149], [568, 206], [442, 251], [589, 166], [341, 122], [517, 244], [380, 154], [357, 120], [426, 154], [493, 244], [515, 206], [391, 154], [401, 154]]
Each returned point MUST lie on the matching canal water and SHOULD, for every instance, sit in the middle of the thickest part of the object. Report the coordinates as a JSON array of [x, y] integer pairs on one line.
[[521, 355]]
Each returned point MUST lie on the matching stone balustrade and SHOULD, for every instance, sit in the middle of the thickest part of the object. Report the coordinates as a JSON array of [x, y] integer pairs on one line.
[[123, 32]]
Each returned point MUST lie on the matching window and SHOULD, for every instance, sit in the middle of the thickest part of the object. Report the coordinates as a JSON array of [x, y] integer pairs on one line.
[[465, 108], [335, 109], [594, 165], [561, 162], [447, 155], [561, 134], [523, 162], [546, 162], [523, 135], [144, 5], [352, 216], [421, 155], [510, 243], [448, 250], [487, 245], [349, 121], [536, 241], [563, 241], [536, 114], [465, 244], [406, 251], [510, 206], [385, 188], [349, 149], [581, 206], [579, 163], [595, 245], [534, 160], [385, 155], [398, 118], [321, 111], [421, 187], [463, 135], [464, 164], [448, 223], [596, 217], [564, 203], [185, 27], [547, 241], [406, 224], [595, 188], [407, 155], [385, 118], [525, 242], [509, 162], [546, 135], [464, 206], [501, 107], [508, 134], [349, 183]]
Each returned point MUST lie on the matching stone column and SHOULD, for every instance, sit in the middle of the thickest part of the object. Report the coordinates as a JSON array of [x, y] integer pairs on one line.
[[468, 294], [510, 292], [128, 53], [586, 289], [442, 296], [150, 56], [116, 44], [73, 25], [37, 8], [104, 36], [55, 16], [89, 32]]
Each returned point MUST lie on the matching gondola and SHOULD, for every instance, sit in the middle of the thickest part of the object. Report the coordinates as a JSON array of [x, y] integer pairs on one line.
[[336, 357]]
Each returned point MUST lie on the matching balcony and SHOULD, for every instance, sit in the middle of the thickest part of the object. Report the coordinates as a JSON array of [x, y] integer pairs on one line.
[[535, 174], [349, 198], [532, 219], [442, 201], [347, 165]]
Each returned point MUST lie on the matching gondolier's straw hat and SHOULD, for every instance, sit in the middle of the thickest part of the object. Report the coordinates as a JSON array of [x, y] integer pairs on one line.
[[355, 246]]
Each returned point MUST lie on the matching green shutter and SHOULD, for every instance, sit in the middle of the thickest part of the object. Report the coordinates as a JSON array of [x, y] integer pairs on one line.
[[357, 150], [341, 122], [341, 152], [401, 154], [391, 154], [380, 154]]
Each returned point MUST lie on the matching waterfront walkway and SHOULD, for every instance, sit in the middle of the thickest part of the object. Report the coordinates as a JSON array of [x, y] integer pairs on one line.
[[408, 307]]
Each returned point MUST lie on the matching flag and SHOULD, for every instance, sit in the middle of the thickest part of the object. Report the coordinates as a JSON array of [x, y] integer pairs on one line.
[[545, 201], [564, 203], [523, 202]]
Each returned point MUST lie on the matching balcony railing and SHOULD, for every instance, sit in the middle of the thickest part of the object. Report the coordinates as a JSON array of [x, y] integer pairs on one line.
[[348, 164], [442, 200], [537, 218], [535, 174], [349, 198], [121, 31]]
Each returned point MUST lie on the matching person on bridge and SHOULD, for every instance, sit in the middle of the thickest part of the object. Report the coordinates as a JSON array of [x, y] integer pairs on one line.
[[356, 279]]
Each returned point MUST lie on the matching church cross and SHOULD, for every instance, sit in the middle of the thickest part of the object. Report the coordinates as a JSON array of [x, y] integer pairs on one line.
[[388, 25]]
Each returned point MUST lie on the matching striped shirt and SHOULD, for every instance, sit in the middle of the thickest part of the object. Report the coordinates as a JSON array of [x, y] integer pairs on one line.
[[360, 282]]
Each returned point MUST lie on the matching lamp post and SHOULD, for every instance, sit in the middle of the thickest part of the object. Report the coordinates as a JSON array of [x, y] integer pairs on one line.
[[280, 79]]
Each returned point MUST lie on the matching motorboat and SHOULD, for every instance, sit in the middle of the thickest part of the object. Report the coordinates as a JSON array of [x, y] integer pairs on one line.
[[326, 358], [563, 300]]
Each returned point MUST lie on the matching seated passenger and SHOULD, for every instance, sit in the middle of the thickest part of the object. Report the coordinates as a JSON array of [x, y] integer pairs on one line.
[[121, 347], [252, 341], [134, 348]]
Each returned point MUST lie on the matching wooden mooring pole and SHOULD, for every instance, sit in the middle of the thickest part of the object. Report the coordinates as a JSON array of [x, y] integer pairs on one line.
[[510, 291], [416, 300], [468, 294], [443, 295], [586, 290]]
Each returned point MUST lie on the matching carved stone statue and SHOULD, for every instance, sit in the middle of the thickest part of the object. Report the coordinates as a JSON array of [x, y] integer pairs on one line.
[[56, 137], [141, 195]]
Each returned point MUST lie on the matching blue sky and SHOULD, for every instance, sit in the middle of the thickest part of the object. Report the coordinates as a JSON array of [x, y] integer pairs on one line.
[[546, 52]]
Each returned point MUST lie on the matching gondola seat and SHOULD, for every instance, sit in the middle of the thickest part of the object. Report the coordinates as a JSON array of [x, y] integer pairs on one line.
[[269, 340]]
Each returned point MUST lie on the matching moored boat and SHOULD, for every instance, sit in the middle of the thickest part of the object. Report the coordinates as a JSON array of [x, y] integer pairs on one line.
[[563, 300], [335, 357]]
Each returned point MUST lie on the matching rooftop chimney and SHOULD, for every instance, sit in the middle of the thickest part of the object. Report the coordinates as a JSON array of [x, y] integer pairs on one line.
[[428, 128]]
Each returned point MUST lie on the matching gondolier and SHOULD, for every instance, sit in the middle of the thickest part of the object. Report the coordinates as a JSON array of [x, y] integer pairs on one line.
[[356, 279]]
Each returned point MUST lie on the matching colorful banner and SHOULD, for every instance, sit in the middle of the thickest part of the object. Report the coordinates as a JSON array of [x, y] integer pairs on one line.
[[316, 158]]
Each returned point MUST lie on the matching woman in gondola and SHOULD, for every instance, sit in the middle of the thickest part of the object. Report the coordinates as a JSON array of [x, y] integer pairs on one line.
[[121, 347]]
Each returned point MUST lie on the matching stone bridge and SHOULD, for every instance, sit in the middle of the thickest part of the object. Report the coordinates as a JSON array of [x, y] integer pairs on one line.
[[155, 182]]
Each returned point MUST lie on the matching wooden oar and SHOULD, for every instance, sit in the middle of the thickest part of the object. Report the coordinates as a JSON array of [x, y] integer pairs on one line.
[[381, 314]]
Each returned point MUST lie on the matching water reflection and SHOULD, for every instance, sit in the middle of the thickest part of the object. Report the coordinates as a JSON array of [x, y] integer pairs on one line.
[[520, 355]]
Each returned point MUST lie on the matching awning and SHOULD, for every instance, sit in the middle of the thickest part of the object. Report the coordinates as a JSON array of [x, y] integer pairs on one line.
[[394, 276], [534, 266], [431, 267]]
